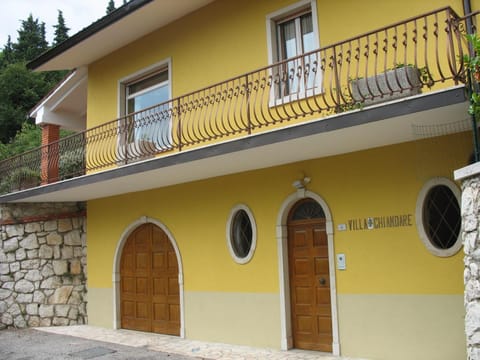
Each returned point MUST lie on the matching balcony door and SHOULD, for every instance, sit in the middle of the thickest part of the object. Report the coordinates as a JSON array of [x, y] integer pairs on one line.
[[292, 32], [147, 112]]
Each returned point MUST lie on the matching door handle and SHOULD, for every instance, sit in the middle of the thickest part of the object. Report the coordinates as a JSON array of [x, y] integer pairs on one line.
[[322, 281]]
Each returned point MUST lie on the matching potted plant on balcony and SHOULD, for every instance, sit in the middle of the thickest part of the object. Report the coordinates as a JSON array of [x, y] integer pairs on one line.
[[472, 63], [398, 82]]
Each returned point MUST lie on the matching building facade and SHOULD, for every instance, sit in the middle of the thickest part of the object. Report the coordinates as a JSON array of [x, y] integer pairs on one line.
[[307, 204]]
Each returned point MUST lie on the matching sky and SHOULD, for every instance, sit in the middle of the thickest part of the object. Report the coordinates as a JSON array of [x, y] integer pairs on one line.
[[78, 14]]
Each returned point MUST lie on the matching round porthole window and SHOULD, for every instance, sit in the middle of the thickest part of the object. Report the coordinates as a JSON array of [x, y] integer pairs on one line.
[[241, 234], [439, 218]]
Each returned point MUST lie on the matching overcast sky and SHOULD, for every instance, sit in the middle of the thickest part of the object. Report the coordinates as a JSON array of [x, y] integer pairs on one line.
[[78, 14]]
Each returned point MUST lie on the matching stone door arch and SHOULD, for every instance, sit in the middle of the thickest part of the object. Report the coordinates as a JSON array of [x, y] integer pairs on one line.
[[283, 270]]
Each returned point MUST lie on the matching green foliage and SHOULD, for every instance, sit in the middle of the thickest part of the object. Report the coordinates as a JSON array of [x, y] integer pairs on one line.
[[20, 90], [110, 7], [72, 163], [7, 53], [61, 30], [29, 137], [31, 40], [19, 179], [472, 64]]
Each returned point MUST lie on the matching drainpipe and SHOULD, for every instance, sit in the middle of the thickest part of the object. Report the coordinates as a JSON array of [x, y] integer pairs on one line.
[[467, 9]]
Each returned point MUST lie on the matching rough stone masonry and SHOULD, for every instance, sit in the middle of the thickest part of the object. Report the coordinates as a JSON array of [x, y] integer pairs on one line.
[[471, 242], [43, 268]]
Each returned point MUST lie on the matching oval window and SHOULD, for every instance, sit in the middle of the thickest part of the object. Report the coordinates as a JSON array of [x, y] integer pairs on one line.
[[439, 218], [241, 234]]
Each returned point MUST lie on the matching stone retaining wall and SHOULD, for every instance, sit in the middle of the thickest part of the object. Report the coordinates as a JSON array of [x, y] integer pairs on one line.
[[43, 267], [470, 178], [470, 218]]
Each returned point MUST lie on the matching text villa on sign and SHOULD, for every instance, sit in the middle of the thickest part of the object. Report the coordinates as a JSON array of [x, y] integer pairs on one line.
[[380, 222]]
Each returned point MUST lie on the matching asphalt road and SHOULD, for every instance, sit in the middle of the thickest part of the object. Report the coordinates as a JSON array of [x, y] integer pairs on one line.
[[31, 344]]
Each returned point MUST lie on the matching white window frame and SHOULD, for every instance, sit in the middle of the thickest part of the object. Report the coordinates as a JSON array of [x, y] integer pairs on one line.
[[272, 21], [419, 216], [144, 73], [253, 246]]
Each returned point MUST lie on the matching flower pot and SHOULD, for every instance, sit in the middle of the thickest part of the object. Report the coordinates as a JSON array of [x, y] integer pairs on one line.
[[391, 85]]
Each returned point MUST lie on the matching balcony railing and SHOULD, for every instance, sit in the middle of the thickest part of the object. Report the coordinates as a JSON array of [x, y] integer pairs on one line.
[[417, 55]]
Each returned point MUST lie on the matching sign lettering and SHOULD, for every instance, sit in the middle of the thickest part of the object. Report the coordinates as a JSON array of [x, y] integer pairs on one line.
[[380, 222]]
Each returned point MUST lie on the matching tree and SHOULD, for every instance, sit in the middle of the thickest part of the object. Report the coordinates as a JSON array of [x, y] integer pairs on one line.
[[110, 7], [7, 53], [31, 40], [20, 90], [61, 30], [28, 137]]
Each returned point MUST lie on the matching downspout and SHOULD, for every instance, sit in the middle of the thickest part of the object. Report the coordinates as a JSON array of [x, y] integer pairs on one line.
[[471, 87], [467, 9]]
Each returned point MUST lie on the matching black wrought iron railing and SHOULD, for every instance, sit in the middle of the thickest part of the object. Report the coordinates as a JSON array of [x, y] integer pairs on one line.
[[417, 55]]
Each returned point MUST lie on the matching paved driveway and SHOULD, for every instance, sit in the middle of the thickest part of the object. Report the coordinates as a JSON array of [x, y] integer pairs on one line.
[[31, 344], [91, 342]]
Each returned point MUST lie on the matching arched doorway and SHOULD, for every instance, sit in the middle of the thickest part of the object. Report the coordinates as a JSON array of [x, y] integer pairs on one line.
[[309, 277], [149, 282]]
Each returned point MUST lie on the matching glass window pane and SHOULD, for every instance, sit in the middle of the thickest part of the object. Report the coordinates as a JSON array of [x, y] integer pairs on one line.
[[442, 218], [148, 82], [295, 37], [307, 209], [147, 99], [308, 38], [241, 234], [288, 39], [149, 125]]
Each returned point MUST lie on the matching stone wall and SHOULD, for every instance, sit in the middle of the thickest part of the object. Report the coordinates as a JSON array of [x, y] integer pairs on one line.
[[43, 267], [470, 177]]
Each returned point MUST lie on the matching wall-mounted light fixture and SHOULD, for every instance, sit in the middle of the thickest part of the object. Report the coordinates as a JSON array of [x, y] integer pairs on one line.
[[301, 183]]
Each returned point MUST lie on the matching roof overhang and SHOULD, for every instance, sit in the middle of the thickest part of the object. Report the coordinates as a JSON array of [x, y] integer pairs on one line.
[[128, 23], [66, 104], [367, 128]]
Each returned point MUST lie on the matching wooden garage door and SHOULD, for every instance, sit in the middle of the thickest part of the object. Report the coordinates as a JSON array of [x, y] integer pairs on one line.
[[149, 295], [309, 277]]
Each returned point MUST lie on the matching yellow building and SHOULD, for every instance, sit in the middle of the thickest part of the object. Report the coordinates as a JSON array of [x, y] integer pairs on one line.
[[269, 173]]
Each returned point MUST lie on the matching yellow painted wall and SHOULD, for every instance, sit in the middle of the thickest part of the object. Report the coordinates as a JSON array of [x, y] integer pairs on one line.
[[357, 17], [399, 327], [376, 182], [233, 312], [228, 38], [381, 262]]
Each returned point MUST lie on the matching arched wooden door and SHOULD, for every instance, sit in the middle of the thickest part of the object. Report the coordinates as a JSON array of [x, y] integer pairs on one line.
[[149, 289], [309, 277]]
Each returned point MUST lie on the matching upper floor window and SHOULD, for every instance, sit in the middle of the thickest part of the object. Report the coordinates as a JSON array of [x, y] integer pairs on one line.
[[295, 36], [145, 98], [147, 92], [292, 32]]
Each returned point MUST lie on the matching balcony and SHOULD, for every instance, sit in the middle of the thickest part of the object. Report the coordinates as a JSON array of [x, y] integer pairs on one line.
[[412, 59]]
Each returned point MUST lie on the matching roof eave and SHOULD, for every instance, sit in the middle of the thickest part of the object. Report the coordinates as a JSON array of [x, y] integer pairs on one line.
[[87, 32]]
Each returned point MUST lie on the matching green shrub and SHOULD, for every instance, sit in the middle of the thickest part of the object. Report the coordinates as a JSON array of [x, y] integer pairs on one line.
[[20, 179], [72, 163]]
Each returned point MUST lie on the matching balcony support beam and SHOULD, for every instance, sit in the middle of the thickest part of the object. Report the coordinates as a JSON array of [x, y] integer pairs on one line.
[[50, 156]]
